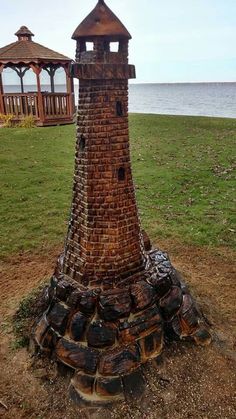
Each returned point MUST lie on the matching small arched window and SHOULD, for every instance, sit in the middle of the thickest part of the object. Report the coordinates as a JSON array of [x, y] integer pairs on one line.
[[121, 174], [119, 108], [82, 143]]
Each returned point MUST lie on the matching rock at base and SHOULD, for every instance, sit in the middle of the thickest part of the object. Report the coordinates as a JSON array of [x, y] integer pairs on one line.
[[77, 356], [57, 317], [101, 334], [142, 294], [151, 345], [115, 304], [109, 387], [119, 361], [83, 383], [78, 326], [202, 337]]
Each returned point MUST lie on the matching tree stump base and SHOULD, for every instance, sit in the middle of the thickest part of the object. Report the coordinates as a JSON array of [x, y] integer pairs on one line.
[[106, 335]]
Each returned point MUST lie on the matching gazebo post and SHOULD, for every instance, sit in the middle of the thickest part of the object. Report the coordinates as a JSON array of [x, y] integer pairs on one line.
[[1, 90], [21, 75], [37, 70], [51, 72], [70, 89]]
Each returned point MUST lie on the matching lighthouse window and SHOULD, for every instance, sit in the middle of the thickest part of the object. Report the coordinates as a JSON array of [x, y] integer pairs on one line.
[[114, 46], [82, 143], [121, 174], [89, 46], [119, 108]]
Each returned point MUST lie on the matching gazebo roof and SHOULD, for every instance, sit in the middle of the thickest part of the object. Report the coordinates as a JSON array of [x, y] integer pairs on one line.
[[27, 51], [101, 22]]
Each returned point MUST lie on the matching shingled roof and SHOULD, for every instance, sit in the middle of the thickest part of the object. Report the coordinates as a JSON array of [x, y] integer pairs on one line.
[[27, 51], [101, 22]]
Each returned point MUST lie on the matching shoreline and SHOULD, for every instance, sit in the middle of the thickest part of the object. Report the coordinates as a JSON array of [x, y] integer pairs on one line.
[[181, 115]]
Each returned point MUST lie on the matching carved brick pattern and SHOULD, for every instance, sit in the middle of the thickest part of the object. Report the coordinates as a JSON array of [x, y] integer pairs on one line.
[[104, 234]]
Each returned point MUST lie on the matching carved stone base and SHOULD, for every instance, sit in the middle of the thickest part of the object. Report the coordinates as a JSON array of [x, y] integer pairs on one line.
[[106, 335]]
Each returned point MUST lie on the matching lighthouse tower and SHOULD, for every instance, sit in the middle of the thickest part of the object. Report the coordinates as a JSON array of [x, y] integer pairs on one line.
[[110, 300], [103, 246]]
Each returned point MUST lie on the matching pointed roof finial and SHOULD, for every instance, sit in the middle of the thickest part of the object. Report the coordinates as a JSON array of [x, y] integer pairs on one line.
[[101, 22], [25, 33]]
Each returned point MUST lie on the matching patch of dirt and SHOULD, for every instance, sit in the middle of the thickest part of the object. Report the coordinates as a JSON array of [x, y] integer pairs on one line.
[[21, 273], [191, 382]]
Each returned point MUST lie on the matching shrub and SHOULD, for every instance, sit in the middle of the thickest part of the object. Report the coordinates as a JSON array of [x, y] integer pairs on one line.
[[31, 307], [27, 122], [7, 120]]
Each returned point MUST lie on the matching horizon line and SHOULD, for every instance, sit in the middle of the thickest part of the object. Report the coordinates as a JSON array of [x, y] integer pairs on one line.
[[139, 82]]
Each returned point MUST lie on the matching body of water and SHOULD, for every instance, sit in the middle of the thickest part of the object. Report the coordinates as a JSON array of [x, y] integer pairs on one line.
[[200, 99]]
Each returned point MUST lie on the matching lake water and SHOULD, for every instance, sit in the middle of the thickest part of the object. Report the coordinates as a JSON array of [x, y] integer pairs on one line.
[[200, 99], [206, 99]]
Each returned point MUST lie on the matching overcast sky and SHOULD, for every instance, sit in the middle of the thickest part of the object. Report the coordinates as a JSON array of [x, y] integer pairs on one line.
[[173, 40]]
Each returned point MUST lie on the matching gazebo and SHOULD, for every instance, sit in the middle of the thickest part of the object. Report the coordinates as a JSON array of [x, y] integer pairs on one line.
[[46, 105]]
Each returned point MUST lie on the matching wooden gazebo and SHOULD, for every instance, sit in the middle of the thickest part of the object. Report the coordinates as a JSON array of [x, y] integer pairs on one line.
[[47, 107]]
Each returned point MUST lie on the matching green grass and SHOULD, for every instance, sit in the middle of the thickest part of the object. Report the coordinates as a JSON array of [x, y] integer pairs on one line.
[[183, 171]]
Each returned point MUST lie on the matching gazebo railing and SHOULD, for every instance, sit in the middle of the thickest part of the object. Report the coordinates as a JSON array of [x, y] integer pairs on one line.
[[56, 105], [21, 104]]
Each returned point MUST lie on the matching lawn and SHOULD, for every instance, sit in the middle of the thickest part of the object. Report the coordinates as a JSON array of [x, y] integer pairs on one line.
[[183, 171]]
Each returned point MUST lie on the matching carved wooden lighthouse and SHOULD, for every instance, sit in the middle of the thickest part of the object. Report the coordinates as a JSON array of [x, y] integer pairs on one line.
[[103, 243], [110, 301]]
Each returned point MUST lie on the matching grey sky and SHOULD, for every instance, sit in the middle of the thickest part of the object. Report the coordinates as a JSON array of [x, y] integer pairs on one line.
[[173, 40]]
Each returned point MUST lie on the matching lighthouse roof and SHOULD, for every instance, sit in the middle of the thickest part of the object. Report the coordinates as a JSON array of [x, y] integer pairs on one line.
[[101, 22]]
